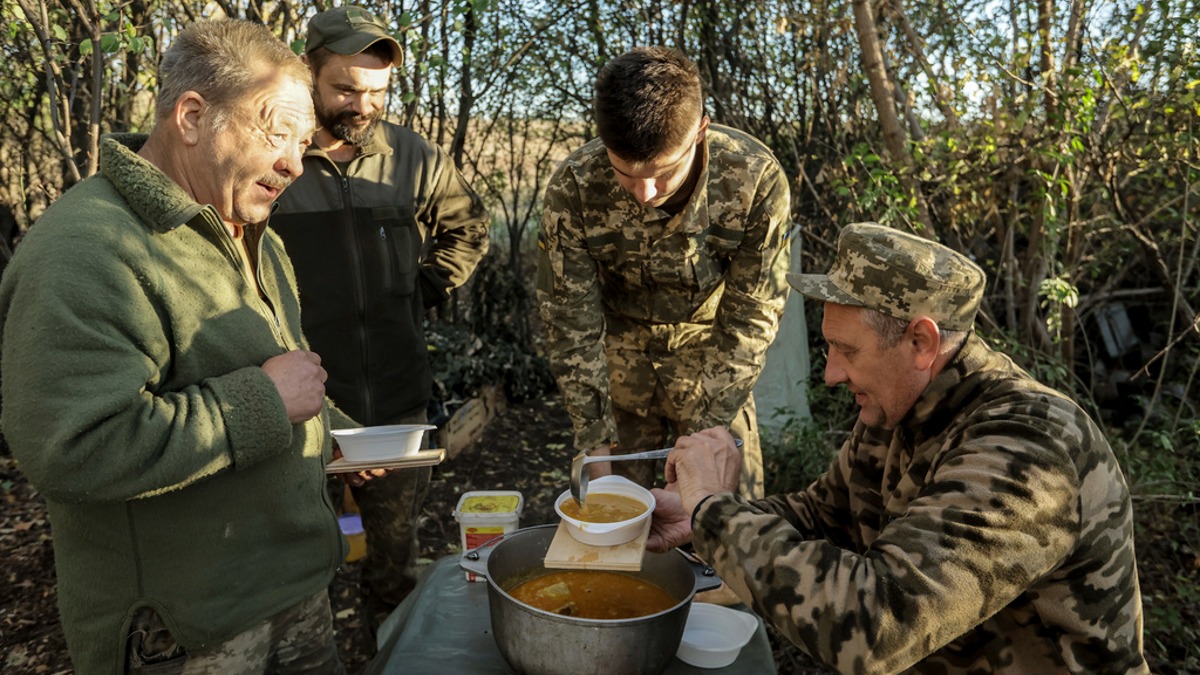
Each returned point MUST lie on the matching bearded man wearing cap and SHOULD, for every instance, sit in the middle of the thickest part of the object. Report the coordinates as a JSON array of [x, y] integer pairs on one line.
[[974, 521], [380, 227]]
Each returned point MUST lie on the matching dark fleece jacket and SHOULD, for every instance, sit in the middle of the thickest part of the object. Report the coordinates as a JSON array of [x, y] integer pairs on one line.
[[130, 343]]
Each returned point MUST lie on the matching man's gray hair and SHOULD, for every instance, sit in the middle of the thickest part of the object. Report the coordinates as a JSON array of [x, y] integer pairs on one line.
[[889, 331], [222, 60]]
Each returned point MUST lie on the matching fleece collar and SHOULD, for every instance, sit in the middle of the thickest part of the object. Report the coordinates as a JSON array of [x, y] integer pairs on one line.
[[159, 201]]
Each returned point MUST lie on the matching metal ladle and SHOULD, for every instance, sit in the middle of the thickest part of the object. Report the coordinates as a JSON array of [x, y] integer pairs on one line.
[[579, 472]]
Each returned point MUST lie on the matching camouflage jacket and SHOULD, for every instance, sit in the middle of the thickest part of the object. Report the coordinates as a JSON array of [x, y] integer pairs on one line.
[[696, 297], [990, 532]]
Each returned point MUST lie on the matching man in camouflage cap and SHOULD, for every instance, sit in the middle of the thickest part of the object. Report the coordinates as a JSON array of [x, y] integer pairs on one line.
[[661, 267], [974, 521]]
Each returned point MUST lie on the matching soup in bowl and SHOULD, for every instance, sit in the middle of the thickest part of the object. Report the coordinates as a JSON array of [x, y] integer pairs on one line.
[[615, 511]]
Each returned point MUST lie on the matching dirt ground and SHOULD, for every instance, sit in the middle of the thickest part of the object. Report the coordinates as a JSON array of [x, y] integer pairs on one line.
[[525, 449]]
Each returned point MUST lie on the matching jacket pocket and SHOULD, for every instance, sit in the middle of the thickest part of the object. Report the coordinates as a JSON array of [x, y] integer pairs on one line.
[[399, 247]]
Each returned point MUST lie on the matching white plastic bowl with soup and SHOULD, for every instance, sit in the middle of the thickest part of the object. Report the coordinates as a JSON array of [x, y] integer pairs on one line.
[[614, 512]]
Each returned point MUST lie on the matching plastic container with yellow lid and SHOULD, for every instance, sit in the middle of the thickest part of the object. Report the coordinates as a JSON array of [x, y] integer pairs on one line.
[[484, 515]]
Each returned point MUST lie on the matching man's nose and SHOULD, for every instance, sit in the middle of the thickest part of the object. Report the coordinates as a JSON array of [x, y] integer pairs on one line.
[[645, 191], [291, 163], [834, 373], [363, 104]]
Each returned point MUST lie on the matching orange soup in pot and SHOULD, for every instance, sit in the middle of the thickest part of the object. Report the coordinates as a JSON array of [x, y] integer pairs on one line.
[[593, 594]]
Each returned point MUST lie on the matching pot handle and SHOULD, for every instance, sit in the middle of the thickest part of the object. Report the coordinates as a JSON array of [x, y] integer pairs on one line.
[[706, 576], [475, 560]]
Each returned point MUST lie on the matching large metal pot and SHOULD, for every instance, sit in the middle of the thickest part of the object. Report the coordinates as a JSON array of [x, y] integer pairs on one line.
[[536, 642]]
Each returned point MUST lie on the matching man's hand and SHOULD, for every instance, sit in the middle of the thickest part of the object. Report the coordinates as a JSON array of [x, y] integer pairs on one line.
[[300, 380], [360, 478], [670, 525], [703, 463]]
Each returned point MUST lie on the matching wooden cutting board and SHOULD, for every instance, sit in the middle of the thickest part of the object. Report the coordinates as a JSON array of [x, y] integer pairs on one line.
[[566, 552], [423, 458]]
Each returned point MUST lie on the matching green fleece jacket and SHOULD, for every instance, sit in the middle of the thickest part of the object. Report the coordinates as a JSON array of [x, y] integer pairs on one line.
[[130, 345]]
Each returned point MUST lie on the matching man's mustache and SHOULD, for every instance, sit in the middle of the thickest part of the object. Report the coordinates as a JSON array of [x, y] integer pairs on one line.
[[276, 181], [354, 118]]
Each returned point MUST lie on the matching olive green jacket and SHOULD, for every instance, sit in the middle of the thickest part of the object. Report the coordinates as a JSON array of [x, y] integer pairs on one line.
[[374, 244], [130, 343]]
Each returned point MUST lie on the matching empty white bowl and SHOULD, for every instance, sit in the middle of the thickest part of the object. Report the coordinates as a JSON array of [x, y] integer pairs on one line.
[[714, 635], [374, 444], [608, 534]]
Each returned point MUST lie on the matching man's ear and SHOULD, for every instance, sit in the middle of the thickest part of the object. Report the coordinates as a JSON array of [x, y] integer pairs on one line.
[[190, 109], [926, 341]]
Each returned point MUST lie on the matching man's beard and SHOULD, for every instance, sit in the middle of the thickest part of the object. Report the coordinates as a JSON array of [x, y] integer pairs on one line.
[[349, 126]]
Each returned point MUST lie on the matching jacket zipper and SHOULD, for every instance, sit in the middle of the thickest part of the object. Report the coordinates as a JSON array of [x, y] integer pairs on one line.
[[262, 296], [361, 284], [265, 308]]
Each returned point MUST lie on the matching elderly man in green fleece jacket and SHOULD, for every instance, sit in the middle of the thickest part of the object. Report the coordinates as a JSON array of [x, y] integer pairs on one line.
[[157, 389]]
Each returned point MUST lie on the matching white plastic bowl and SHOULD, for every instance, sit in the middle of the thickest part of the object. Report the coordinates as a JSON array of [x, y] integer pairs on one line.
[[715, 635], [374, 444], [608, 534]]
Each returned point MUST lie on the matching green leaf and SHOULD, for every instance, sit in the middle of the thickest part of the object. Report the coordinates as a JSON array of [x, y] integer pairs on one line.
[[109, 44], [408, 97], [85, 47], [59, 32]]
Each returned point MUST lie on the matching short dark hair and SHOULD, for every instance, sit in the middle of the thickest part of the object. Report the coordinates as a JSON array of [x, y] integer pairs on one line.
[[646, 102]]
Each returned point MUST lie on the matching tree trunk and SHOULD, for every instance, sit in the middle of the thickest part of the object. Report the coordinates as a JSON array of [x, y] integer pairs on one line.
[[941, 94], [466, 95], [894, 139]]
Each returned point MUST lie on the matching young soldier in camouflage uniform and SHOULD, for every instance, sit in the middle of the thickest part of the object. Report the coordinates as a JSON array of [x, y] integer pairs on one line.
[[380, 227], [661, 268], [975, 521]]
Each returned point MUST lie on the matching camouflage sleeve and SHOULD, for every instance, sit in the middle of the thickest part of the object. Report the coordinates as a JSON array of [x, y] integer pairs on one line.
[[568, 291], [998, 513], [822, 510], [457, 223], [753, 300]]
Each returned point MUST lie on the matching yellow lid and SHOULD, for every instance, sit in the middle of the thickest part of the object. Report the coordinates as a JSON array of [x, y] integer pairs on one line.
[[490, 504]]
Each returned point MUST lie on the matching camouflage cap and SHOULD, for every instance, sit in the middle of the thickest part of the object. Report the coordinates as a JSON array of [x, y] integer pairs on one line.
[[899, 274], [349, 30]]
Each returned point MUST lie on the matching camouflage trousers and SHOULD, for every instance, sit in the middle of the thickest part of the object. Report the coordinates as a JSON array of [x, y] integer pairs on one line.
[[647, 419], [391, 508], [299, 639]]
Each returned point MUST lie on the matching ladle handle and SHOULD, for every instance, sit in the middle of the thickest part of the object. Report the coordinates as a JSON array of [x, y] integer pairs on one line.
[[649, 454]]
